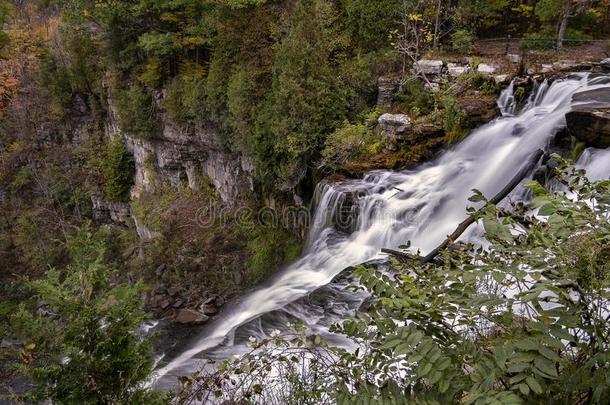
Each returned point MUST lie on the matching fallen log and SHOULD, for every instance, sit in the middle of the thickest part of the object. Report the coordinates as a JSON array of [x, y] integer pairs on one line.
[[398, 254], [527, 168]]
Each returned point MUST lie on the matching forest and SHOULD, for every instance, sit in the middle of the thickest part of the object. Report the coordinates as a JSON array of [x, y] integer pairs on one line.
[[172, 169]]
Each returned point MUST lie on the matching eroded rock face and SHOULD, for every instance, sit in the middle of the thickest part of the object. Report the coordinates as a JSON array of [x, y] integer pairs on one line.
[[185, 155], [105, 212], [479, 109], [386, 88], [590, 125]]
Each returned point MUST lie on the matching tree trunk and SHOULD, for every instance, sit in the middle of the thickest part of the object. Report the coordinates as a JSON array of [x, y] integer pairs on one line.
[[563, 25], [437, 24]]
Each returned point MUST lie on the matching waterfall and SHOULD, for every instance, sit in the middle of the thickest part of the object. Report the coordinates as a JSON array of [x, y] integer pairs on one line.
[[422, 206], [506, 101]]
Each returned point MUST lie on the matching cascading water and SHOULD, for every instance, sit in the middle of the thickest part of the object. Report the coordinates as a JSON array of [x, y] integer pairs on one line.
[[421, 206]]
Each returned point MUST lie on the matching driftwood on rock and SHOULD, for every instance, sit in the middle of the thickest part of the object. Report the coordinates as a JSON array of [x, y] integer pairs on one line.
[[527, 168]]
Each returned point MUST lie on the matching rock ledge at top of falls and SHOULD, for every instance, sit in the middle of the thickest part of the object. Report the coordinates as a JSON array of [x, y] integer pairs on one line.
[[589, 122], [394, 128]]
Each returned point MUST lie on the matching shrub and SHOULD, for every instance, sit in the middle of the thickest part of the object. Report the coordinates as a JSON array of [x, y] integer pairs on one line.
[[462, 41], [416, 98], [351, 141], [481, 82], [452, 119], [269, 247]]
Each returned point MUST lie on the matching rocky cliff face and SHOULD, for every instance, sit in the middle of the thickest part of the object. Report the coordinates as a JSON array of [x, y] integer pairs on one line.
[[177, 155]]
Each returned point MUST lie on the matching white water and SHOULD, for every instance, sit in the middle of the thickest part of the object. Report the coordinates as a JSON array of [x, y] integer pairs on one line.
[[422, 205]]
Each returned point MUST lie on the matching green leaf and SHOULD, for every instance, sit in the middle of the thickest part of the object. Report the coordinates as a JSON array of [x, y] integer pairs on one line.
[[525, 390], [534, 385], [546, 366]]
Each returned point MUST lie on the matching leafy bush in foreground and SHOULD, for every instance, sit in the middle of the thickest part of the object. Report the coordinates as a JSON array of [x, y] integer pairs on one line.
[[525, 321]]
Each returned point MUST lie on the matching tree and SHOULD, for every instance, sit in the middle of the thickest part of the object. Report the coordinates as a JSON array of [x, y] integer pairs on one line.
[[4, 15], [307, 98], [95, 354], [118, 170]]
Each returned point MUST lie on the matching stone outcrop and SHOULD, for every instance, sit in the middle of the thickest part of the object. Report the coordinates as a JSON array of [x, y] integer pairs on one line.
[[394, 128], [176, 155], [571, 66], [429, 67], [479, 109], [387, 86], [455, 69], [486, 68], [105, 212]]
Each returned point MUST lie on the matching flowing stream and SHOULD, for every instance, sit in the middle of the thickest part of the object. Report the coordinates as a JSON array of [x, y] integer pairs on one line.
[[355, 219]]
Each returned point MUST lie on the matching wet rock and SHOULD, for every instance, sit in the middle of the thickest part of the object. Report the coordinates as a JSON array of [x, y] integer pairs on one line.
[[590, 125], [190, 316], [394, 128], [601, 95], [387, 86], [429, 67], [605, 65], [486, 68], [208, 310], [178, 303]]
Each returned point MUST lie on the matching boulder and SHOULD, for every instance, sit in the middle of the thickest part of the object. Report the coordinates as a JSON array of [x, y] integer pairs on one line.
[[190, 316], [590, 125], [429, 67], [486, 69], [605, 65], [514, 58], [501, 79], [394, 127], [455, 70]]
